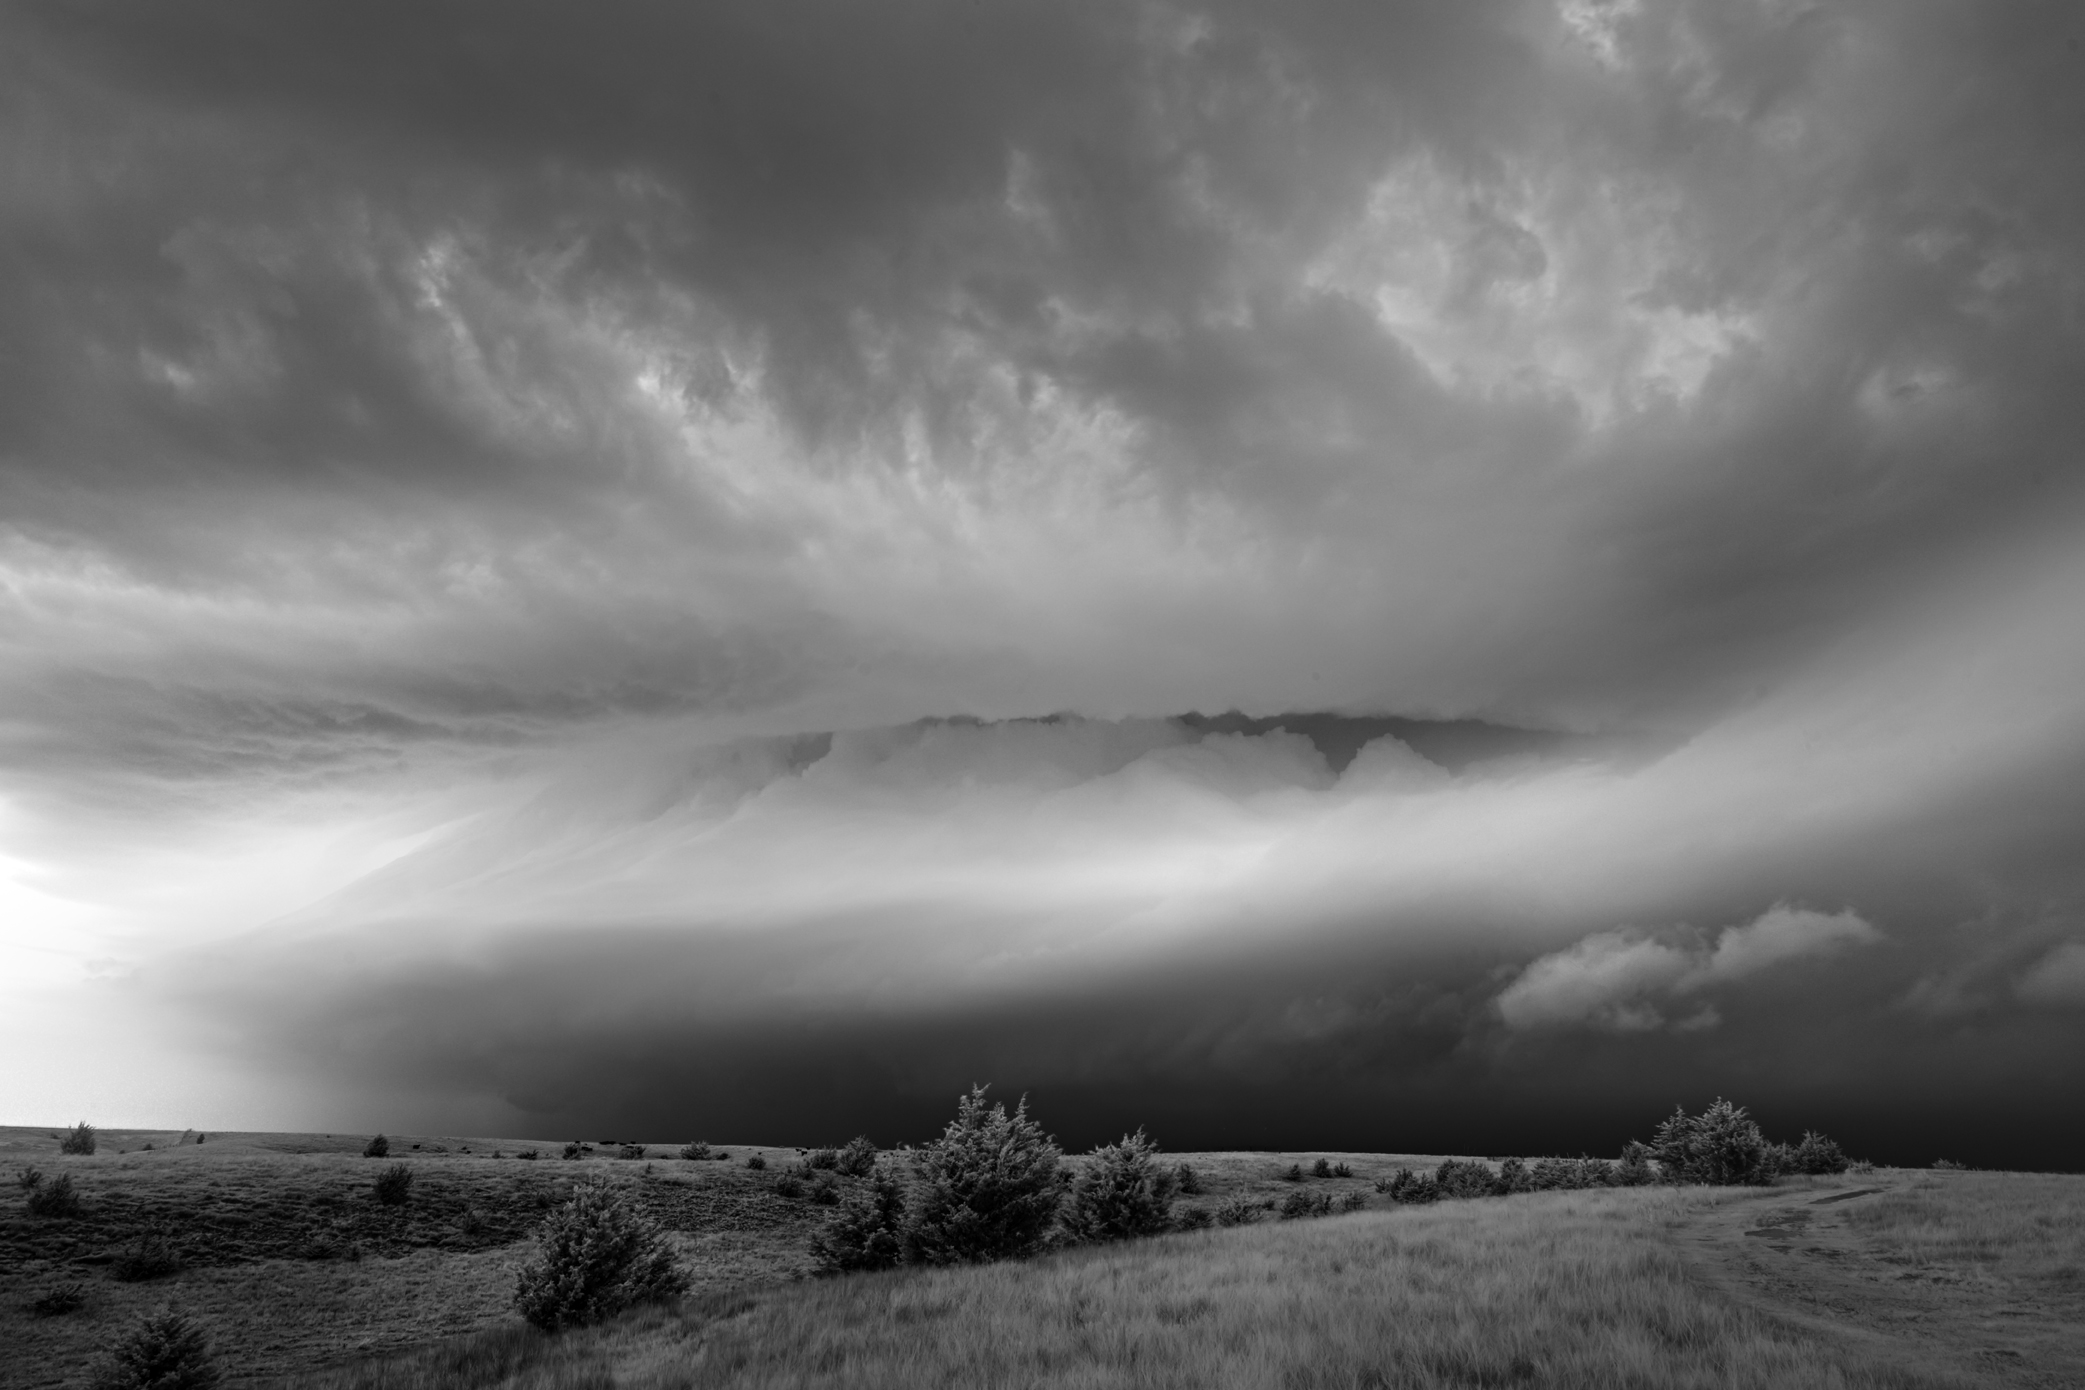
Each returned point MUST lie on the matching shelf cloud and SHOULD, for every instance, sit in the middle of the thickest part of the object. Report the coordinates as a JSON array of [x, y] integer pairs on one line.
[[1246, 568]]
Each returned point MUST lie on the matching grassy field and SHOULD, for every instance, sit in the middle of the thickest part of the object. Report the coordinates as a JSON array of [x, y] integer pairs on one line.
[[305, 1280]]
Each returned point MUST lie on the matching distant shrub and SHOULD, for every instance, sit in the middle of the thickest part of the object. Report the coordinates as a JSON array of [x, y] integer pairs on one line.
[[631, 1151], [789, 1185], [1119, 1192], [1298, 1205], [1720, 1146], [825, 1160], [596, 1255], [696, 1152], [1513, 1177], [60, 1299], [1634, 1169], [1947, 1165], [29, 1178], [1862, 1167], [755, 1162], [986, 1189], [379, 1147], [78, 1140], [1237, 1211], [1294, 1173], [1354, 1201], [868, 1232], [721, 1154], [1818, 1156], [1455, 1178], [167, 1351], [826, 1192], [1321, 1169], [1342, 1170], [575, 1149], [1407, 1186], [1192, 1218], [529, 1154], [857, 1157], [150, 1255], [53, 1198], [1188, 1180], [394, 1186]]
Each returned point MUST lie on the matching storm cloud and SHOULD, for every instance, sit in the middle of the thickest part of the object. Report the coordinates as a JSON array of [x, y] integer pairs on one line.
[[1256, 568]]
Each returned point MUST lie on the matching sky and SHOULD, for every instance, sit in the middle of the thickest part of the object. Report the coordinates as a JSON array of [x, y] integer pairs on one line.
[[1443, 577]]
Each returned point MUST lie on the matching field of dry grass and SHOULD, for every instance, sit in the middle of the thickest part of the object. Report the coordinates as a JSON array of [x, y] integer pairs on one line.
[[304, 1280]]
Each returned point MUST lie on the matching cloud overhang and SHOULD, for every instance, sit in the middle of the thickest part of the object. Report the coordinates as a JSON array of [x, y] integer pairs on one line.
[[499, 505]]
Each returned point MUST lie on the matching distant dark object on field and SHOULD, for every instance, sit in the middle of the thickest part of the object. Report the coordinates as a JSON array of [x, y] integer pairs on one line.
[[78, 1140], [697, 1152], [379, 1147], [630, 1151], [755, 1162], [167, 1351], [150, 1255], [52, 1197], [394, 1186]]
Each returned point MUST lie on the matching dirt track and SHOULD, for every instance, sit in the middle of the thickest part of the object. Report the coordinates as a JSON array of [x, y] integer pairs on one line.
[[1792, 1257]]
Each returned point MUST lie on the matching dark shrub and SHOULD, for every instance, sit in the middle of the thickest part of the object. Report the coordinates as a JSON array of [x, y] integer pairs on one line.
[[1298, 1205], [575, 1149], [789, 1185], [1634, 1169], [824, 1160], [1512, 1178], [1342, 1170], [697, 1152], [825, 1192], [1947, 1165], [986, 1189], [379, 1147], [1237, 1211], [1192, 1218], [755, 1162], [394, 1186], [60, 1299], [1455, 1178], [55, 1197], [868, 1231], [1407, 1186], [857, 1157], [1354, 1201], [150, 1255], [1321, 1169], [1294, 1173], [1818, 1155], [1720, 1146], [596, 1255], [78, 1140], [167, 1351], [631, 1151], [530, 1154], [1119, 1192], [1188, 1180]]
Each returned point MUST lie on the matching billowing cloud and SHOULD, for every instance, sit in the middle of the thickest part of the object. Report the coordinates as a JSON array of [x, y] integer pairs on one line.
[[1622, 979], [2057, 978]]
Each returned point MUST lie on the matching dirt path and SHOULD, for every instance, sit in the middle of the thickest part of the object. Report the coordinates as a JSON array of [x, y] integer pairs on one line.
[[1791, 1256]]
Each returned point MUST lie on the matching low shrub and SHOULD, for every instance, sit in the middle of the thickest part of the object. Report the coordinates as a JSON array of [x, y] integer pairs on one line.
[[78, 1140], [52, 1198], [1455, 1178], [394, 1186], [755, 1162], [1818, 1156], [529, 1154], [1237, 1211], [631, 1151], [151, 1254], [868, 1232], [1354, 1201], [789, 1185], [575, 1150], [1321, 1169], [1635, 1169], [59, 1299], [1193, 1218], [986, 1189], [379, 1147], [1407, 1186], [697, 1152], [857, 1157], [1120, 1191], [1294, 1173], [166, 1351], [596, 1255], [1188, 1180], [1298, 1205], [825, 1160], [1721, 1146], [826, 1192], [1342, 1170]]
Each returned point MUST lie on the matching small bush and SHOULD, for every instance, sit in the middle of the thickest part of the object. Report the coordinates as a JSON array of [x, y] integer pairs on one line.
[[59, 1299], [1512, 1178], [986, 1189], [631, 1151], [1298, 1205], [1294, 1173], [868, 1232], [697, 1152], [1321, 1169], [78, 1140], [1342, 1170], [1193, 1218], [825, 1160], [1946, 1165], [1634, 1169], [1407, 1186], [1237, 1211], [1818, 1156], [55, 1198], [379, 1147], [1721, 1146], [596, 1255], [1120, 1192], [755, 1162], [857, 1157], [789, 1185], [825, 1192], [167, 1351], [1188, 1180], [150, 1255], [394, 1186], [529, 1154], [1458, 1179], [575, 1149], [1354, 1201], [29, 1178]]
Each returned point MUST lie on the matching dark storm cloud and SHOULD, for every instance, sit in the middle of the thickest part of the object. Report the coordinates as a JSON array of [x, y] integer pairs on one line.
[[429, 433]]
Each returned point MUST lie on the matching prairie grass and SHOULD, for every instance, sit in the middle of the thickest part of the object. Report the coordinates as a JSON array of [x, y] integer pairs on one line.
[[1553, 1289], [2012, 1225]]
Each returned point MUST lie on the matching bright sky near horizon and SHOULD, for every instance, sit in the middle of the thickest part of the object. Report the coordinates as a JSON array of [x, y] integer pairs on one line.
[[638, 565]]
